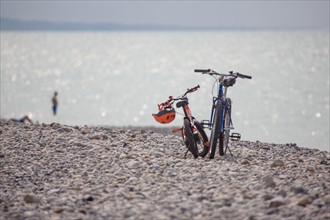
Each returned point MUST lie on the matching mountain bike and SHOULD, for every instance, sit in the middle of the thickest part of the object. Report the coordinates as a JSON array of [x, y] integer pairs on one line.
[[220, 122], [192, 131]]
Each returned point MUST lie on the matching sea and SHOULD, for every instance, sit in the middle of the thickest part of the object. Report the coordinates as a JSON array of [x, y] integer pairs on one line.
[[117, 78]]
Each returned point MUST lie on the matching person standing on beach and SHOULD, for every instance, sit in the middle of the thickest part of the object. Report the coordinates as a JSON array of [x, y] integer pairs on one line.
[[55, 103]]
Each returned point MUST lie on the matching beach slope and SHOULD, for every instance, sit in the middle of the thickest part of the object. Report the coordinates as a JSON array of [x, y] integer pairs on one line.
[[53, 171]]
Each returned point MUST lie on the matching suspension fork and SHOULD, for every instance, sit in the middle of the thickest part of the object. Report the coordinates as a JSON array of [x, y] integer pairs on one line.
[[222, 113], [224, 108], [221, 96], [215, 99]]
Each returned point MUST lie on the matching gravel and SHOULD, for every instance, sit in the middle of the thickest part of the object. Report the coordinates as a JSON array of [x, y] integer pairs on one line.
[[54, 171]]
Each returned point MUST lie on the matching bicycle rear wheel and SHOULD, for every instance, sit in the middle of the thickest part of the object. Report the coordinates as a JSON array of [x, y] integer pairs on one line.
[[215, 128], [202, 139], [191, 144]]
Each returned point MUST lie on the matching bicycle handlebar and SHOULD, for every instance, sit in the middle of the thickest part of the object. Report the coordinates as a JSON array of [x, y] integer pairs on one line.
[[231, 73], [202, 70], [244, 76], [192, 90], [171, 100]]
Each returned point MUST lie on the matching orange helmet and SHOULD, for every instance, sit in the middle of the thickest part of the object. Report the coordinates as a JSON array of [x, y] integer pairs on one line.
[[165, 116]]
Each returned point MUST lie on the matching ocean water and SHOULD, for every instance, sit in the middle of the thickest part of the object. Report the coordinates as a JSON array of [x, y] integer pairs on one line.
[[118, 78]]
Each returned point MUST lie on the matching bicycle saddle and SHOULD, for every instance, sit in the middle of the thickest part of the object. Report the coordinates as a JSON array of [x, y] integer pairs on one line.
[[182, 103]]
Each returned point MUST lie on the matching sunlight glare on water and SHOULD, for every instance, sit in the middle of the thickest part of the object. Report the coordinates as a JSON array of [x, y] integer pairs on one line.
[[118, 78]]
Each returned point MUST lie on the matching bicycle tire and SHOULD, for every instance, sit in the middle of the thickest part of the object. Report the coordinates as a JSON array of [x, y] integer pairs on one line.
[[224, 137], [191, 144], [215, 128], [203, 139]]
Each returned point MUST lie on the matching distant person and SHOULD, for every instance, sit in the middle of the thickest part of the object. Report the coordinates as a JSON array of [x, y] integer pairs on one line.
[[55, 103], [22, 120]]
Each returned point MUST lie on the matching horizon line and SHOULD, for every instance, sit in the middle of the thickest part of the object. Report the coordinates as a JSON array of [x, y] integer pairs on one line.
[[9, 24]]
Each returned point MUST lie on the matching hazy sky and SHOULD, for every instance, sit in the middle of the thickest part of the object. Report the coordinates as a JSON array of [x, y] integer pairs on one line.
[[262, 13]]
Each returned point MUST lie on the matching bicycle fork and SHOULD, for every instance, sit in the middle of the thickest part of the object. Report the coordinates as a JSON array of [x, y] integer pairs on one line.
[[184, 136]]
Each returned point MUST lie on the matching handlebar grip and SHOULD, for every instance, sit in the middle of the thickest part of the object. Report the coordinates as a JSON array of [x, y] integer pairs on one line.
[[201, 70], [192, 90], [244, 76]]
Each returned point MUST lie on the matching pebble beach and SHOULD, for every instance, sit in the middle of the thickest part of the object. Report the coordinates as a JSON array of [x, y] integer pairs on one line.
[[54, 171]]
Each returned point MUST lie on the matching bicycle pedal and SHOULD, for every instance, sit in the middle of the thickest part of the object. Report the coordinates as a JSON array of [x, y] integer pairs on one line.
[[206, 123], [235, 137]]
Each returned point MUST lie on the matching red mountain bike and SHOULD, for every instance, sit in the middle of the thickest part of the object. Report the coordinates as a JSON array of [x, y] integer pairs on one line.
[[193, 134]]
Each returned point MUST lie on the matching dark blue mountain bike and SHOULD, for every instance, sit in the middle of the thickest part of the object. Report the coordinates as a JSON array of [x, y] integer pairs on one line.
[[220, 122]]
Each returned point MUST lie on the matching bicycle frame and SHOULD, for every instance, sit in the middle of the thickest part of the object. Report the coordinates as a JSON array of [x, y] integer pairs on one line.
[[221, 96]]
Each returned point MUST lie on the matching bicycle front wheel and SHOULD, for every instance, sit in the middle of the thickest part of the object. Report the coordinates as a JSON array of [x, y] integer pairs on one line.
[[190, 142], [201, 140], [215, 128], [224, 137]]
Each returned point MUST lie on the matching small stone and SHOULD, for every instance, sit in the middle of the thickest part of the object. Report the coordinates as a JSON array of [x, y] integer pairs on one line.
[[245, 162], [304, 202], [277, 163], [96, 137], [29, 213], [269, 182], [64, 129], [79, 144], [59, 210], [310, 168], [31, 199], [298, 190], [271, 210], [133, 164], [268, 197], [104, 137], [282, 193], [265, 147], [88, 198], [324, 162], [83, 212], [55, 125], [275, 203]]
